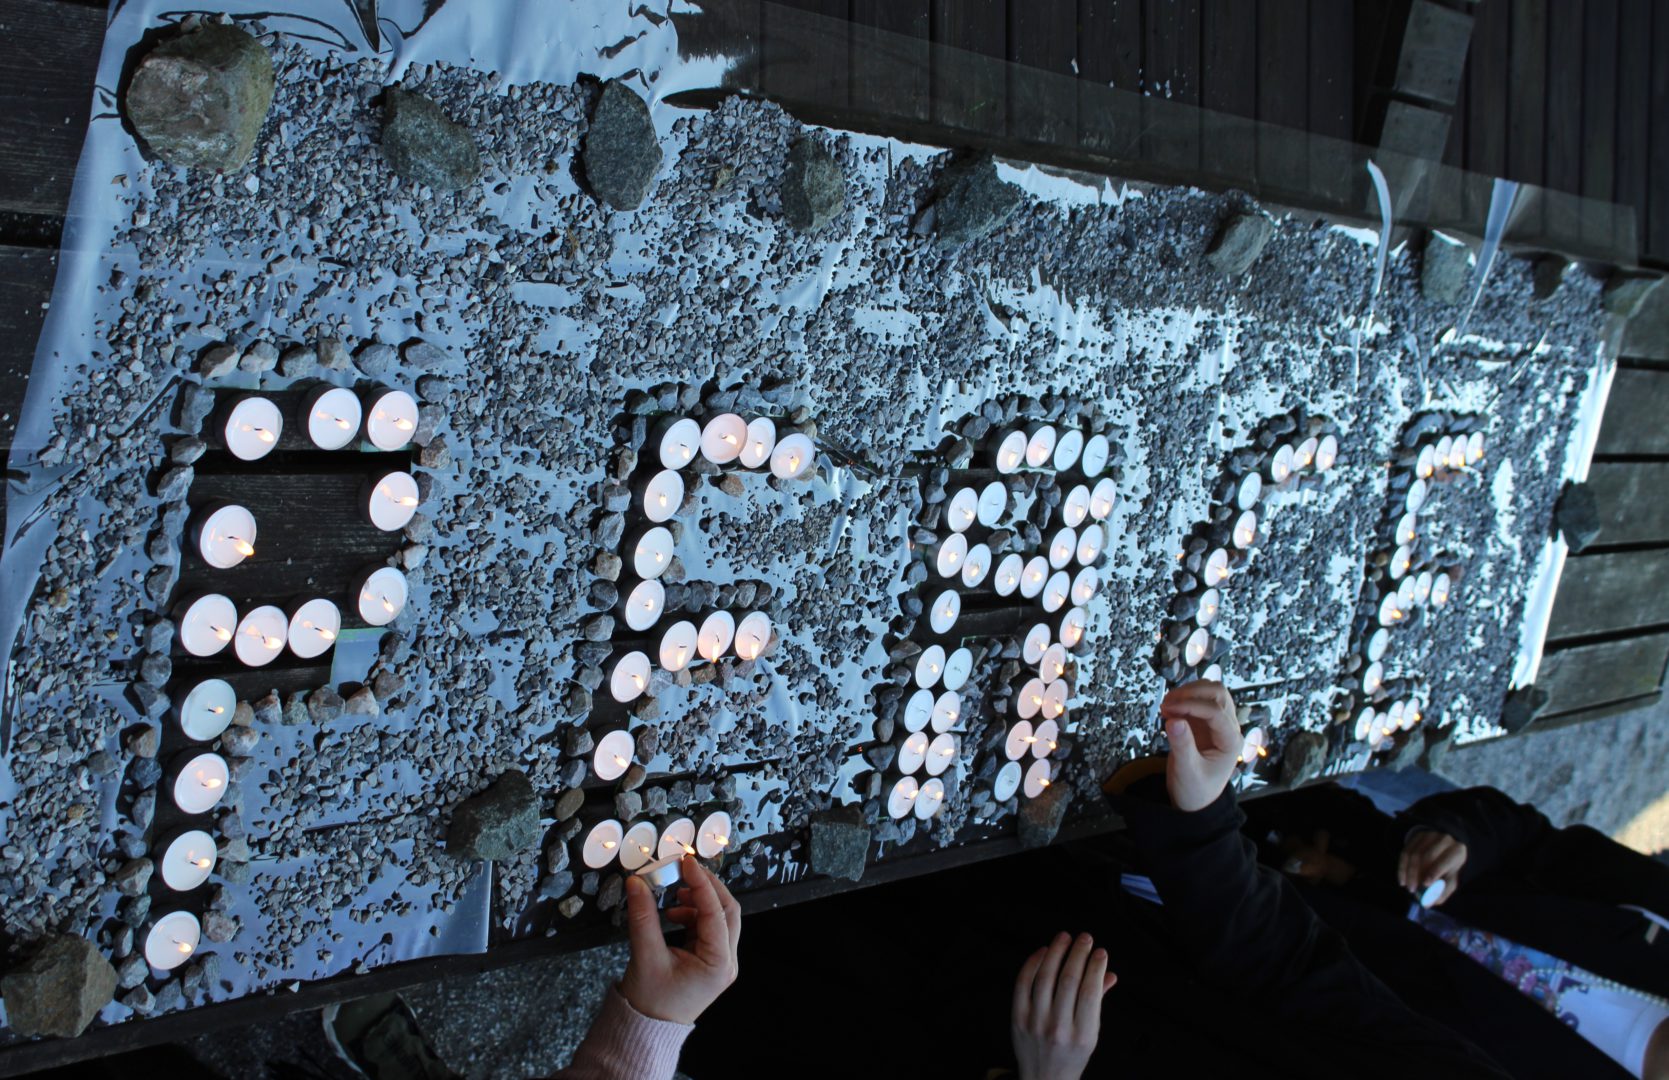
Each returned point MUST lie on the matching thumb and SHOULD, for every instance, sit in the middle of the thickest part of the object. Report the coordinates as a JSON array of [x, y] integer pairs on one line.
[[643, 921], [1182, 741]]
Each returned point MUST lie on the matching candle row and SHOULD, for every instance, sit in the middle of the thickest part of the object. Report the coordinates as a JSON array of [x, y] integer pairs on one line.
[[210, 622], [1039, 445], [728, 439], [683, 642], [332, 415], [635, 847]]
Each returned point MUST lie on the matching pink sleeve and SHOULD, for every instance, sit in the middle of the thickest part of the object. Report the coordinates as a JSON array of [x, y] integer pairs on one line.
[[623, 1044]]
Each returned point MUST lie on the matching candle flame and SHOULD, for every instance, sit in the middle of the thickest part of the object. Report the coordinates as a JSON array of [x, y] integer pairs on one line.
[[608, 845], [328, 635], [720, 838], [729, 438], [946, 752], [688, 850], [185, 947], [618, 760], [387, 604], [1263, 751], [211, 782], [758, 447], [794, 463], [1043, 781], [217, 709], [643, 849], [203, 863], [937, 794], [662, 498], [241, 546], [1029, 739], [222, 633], [637, 680], [403, 424]]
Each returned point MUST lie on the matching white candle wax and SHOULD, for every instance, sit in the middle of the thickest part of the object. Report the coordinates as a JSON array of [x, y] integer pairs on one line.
[[1094, 459], [261, 635], [1035, 643], [1394, 714], [1210, 601], [1365, 723], [929, 798], [1422, 586], [1009, 572], [1039, 775], [1444, 452], [1006, 782], [1011, 452], [793, 457], [644, 604], [947, 707], [1091, 539], [1304, 456], [977, 566], [941, 754], [1216, 568], [1057, 592], [761, 440], [912, 752], [382, 595], [188, 860], [172, 940], [1407, 529], [1440, 587], [1054, 700], [993, 503], [718, 630], [952, 550], [226, 536], [1198, 647], [1373, 679], [1390, 609], [946, 607], [1029, 701], [902, 798], [753, 634], [1073, 625], [1018, 742], [208, 625], [1045, 738], [207, 709], [1075, 507], [1416, 496], [664, 872], [1040, 445], [637, 847], [1425, 462], [391, 500], [1255, 745], [723, 438], [1084, 585], [314, 628], [679, 443], [1474, 448], [602, 844], [1068, 448], [1246, 529], [1411, 715], [963, 510], [930, 665], [653, 553], [1103, 499], [1212, 673], [613, 755], [1053, 664], [1327, 453], [663, 495], [630, 677], [677, 839], [1406, 593], [201, 783], [958, 666], [252, 428], [1063, 547], [333, 417], [1280, 464], [918, 711], [1034, 577], [1251, 489], [390, 419], [1378, 642], [1401, 560], [713, 835]]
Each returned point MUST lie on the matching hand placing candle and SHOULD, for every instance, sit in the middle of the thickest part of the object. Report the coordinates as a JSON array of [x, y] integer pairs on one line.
[[389, 501], [382, 595], [188, 860], [261, 635], [390, 419], [1255, 747], [676, 984], [207, 709], [313, 628], [226, 536], [208, 624], [172, 939], [333, 416], [613, 755], [252, 428], [200, 783]]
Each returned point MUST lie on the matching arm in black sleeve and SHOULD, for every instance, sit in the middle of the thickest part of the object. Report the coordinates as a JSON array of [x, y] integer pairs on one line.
[[1495, 829]]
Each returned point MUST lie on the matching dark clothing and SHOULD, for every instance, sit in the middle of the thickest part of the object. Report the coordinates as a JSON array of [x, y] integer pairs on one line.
[[1557, 890]]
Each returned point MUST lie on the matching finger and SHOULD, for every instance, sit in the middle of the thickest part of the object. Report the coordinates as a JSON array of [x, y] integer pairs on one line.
[[1449, 888], [1182, 739], [1108, 982], [1022, 1011], [732, 915], [1071, 977], [643, 923], [712, 935], [683, 916], [1043, 989], [1447, 863], [1087, 1013]]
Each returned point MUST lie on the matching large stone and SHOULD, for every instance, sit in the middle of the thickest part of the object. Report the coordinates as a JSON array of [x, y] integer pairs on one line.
[[1239, 243], [1446, 270], [972, 201], [813, 187], [839, 843], [59, 990], [1303, 757], [621, 154], [198, 100], [1040, 818], [423, 145], [1577, 516], [499, 823]]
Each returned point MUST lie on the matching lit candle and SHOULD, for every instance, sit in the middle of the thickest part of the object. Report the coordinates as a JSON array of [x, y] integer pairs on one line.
[[1052, 666], [1394, 714], [333, 416], [1246, 529], [630, 677], [1054, 700], [172, 940], [207, 709], [976, 566], [252, 428], [652, 554], [946, 607], [1254, 746], [929, 798], [390, 500], [677, 839], [663, 495], [753, 634], [680, 439], [1327, 453], [1045, 738], [1304, 456], [1075, 507], [947, 708], [1440, 587], [226, 536], [1212, 673], [1411, 715], [1401, 560], [602, 844], [1373, 680], [1068, 448], [314, 628], [1084, 585], [1034, 577], [1040, 445], [201, 783], [1407, 529], [1365, 723], [723, 438], [1443, 452], [1280, 464], [637, 847], [188, 860], [713, 835], [1006, 782], [958, 666], [390, 419], [1210, 601], [1422, 586], [1378, 642], [1416, 496], [382, 595], [952, 550], [993, 503], [902, 799], [761, 440], [208, 624], [1094, 460], [1057, 591], [663, 872], [613, 755], [1425, 462], [1379, 736], [1217, 568], [1475, 448], [1073, 625], [718, 630], [1407, 593], [1103, 499], [1091, 539], [793, 457], [1011, 452], [261, 635], [1391, 611], [918, 711], [1250, 491], [1198, 647], [1029, 701], [1457, 453], [1038, 777], [941, 755], [963, 510], [1035, 644], [912, 752], [930, 665], [1009, 573], [644, 605], [1018, 743]]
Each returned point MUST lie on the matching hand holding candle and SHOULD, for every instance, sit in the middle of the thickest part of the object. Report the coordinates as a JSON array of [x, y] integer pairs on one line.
[[673, 983], [1200, 720]]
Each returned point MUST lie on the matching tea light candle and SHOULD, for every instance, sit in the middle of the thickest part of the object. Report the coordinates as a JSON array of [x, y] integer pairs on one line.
[[1280, 464], [1039, 775], [1084, 585], [188, 860], [947, 707], [941, 754], [723, 438], [993, 503], [1035, 576], [207, 709], [1407, 529], [1474, 448], [664, 872], [912, 752], [390, 419], [1378, 642], [929, 798], [1440, 588], [1035, 643], [1406, 593], [333, 416], [1045, 739], [391, 500], [977, 566], [1210, 601], [1365, 724], [1254, 746], [1422, 586], [630, 677], [1073, 625], [1029, 701], [1390, 609], [602, 844], [613, 755], [1057, 591], [793, 457], [1327, 453], [1401, 560], [753, 635], [952, 550], [644, 604], [652, 554], [252, 428], [1053, 664], [761, 440], [1103, 499], [637, 847], [1075, 507], [677, 839], [1011, 452], [1068, 448], [1411, 715], [1304, 456], [1250, 491], [1216, 568], [1006, 782], [1378, 737], [1212, 673], [946, 607], [1054, 700], [713, 835], [718, 630], [226, 536], [1090, 541], [382, 595], [1009, 572], [1373, 679], [929, 666], [958, 666], [902, 799], [314, 627], [1018, 742], [680, 440], [1444, 452], [1245, 529], [1198, 647], [663, 495], [172, 940], [201, 783], [1425, 462], [918, 711], [261, 635], [1040, 445], [208, 625], [1394, 715], [1094, 460], [1416, 498], [963, 510]]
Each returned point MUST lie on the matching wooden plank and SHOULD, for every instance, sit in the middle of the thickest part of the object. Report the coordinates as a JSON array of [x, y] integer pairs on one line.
[[1042, 80], [1228, 87], [1598, 712], [26, 276], [1599, 119], [1109, 76], [49, 55], [1647, 335], [807, 57], [1283, 94], [1564, 150], [1593, 675], [1610, 593], [890, 58], [1336, 174], [1526, 111], [1171, 75], [1632, 509], [970, 84], [1657, 213], [1487, 91], [1633, 422], [727, 28], [1634, 135]]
